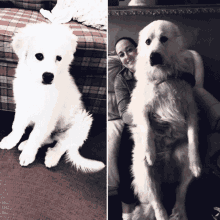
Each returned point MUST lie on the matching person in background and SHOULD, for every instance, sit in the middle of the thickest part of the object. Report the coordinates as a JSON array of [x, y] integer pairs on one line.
[[124, 83]]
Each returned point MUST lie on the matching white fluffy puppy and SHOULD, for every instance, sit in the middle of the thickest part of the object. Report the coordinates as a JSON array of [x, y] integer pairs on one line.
[[165, 118], [47, 97]]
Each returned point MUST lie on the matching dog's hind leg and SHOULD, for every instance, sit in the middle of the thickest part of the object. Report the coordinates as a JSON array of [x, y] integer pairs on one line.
[[181, 156], [143, 212], [70, 142], [18, 128], [54, 154], [152, 196], [145, 185]]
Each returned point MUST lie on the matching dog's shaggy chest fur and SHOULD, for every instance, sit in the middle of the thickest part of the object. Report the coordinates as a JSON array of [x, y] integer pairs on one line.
[[165, 117], [170, 95]]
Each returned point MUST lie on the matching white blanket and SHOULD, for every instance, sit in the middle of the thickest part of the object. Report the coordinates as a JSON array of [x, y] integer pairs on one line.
[[89, 12]]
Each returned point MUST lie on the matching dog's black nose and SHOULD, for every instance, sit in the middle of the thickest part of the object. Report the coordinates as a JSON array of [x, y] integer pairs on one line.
[[155, 59], [47, 78]]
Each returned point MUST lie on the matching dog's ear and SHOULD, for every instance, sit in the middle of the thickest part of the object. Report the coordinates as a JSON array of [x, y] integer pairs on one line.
[[143, 34], [180, 42], [179, 39], [20, 43], [140, 40]]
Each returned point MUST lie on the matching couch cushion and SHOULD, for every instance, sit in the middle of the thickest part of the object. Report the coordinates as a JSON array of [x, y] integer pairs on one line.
[[88, 67], [31, 5]]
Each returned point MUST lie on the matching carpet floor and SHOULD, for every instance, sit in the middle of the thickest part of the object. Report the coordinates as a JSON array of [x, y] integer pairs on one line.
[[62, 192]]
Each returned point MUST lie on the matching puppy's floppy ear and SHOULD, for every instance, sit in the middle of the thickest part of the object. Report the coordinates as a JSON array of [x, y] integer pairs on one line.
[[20, 43]]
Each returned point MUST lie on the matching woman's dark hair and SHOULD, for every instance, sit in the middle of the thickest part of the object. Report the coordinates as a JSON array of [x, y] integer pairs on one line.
[[127, 38]]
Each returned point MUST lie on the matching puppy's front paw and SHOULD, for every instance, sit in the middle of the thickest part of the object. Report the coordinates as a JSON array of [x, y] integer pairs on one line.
[[27, 157], [195, 168], [52, 158], [7, 143]]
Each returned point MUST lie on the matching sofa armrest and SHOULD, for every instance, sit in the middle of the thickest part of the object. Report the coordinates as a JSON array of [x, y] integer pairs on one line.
[[210, 105]]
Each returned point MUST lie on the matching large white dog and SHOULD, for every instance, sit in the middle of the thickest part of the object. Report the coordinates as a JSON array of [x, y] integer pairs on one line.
[[165, 118], [47, 97]]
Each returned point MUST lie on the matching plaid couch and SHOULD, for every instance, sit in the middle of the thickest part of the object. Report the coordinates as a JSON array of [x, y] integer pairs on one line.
[[88, 67]]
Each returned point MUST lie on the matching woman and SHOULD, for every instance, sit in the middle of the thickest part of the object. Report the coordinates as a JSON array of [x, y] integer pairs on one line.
[[119, 174], [126, 49]]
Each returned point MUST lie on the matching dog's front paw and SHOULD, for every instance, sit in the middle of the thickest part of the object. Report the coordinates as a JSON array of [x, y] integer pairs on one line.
[[27, 157], [150, 154], [7, 143], [195, 168], [52, 158], [150, 157]]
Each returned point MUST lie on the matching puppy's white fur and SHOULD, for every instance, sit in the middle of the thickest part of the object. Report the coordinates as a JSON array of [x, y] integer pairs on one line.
[[54, 108], [175, 59]]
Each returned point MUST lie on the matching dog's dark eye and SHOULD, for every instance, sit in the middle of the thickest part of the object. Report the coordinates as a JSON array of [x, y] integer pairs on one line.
[[58, 58], [163, 39], [39, 56], [148, 41]]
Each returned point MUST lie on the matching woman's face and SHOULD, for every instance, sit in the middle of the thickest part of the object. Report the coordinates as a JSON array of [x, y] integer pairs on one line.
[[127, 53]]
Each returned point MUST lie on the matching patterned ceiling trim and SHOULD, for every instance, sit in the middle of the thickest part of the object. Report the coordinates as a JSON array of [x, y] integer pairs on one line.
[[163, 10]]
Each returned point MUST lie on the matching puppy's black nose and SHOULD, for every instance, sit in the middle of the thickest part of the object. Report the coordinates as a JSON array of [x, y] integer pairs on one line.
[[47, 78], [155, 59]]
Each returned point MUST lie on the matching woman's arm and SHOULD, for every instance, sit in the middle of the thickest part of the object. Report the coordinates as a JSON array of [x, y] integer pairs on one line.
[[123, 98], [206, 100]]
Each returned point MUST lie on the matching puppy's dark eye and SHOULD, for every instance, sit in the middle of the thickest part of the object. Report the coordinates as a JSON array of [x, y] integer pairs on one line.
[[148, 41], [163, 39], [58, 58], [39, 56]]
